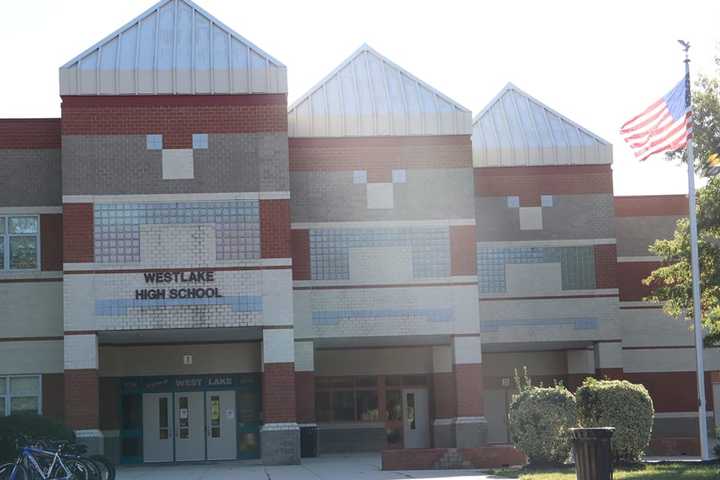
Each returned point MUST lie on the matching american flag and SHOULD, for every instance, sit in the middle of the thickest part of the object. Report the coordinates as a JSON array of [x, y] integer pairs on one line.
[[665, 126]]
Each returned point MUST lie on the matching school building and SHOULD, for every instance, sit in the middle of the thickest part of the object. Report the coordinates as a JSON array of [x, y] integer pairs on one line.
[[192, 269]]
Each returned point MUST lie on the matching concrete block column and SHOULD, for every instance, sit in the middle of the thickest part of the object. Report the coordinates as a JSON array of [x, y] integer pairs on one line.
[[280, 434], [470, 423], [608, 360], [305, 390], [82, 390], [444, 398]]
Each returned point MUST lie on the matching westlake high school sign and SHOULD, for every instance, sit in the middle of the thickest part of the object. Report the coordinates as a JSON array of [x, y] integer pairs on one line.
[[190, 277]]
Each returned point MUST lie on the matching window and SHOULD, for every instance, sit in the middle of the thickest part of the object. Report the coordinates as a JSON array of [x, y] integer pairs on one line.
[[19, 243], [347, 399], [546, 200], [513, 201], [200, 141], [19, 395]]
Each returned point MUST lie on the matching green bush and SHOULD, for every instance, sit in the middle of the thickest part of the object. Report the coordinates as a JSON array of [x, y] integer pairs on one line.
[[28, 426], [620, 404], [539, 422]]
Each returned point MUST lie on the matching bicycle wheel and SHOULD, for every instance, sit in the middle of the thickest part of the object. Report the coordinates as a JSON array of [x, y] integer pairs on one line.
[[93, 469], [109, 473], [11, 471], [78, 470]]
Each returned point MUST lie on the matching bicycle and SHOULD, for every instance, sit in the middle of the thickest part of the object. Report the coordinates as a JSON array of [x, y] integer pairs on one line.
[[35, 462]]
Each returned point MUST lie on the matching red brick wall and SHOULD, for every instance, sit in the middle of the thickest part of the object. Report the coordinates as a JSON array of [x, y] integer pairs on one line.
[[673, 391], [278, 388], [529, 183], [651, 205], [275, 228], [379, 175], [609, 373], [305, 396], [109, 403], [379, 155], [630, 276], [463, 250], [469, 384], [175, 117], [53, 395], [30, 133], [300, 244], [51, 239], [78, 233], [82, 399], [437, 458], [606, 266], [444, 399]]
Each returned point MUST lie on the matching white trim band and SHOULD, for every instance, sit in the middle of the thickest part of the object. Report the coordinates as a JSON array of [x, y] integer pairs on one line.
[[276, 427], [419, 282], [646, 258], [461, 420], [29, 210], [580, 242], [384, 224], [176, 197], [261, 262]]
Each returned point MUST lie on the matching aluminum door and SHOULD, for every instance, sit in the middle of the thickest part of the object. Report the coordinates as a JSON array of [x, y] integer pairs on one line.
[[189, 426], [496, 413], [157, 427], [416, 421], [221, 425]]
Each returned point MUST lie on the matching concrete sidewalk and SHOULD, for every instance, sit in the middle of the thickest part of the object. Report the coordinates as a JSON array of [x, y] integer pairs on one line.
[[326, 467]]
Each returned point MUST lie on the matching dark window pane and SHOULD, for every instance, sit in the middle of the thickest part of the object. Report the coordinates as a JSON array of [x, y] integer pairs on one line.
[[393, 403], [367, 406], [343, 406], [366, 382], [322, 406], [23, 225], [23, 252]]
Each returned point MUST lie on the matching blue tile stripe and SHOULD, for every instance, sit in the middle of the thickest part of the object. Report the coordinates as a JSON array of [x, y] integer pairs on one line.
[[118, 307], [576, 323], [333, 317]]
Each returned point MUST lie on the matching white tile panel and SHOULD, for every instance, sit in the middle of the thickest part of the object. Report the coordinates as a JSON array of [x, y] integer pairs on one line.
[[368, 95], [174, 47], [515, 129]]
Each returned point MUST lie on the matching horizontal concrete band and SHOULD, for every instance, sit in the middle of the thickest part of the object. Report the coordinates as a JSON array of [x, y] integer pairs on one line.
[[384, 224], [258, 264], [641, 258], [176, 197], [461, 280], [274, 427], [30, 210], [580, 242]]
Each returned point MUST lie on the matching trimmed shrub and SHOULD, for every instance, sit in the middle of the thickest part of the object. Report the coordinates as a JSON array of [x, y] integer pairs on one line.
[[620, 404], [539, 422], [28, 426]]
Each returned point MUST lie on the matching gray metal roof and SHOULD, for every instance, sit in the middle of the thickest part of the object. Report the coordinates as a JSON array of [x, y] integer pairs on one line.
[[515, 129], [368, 95], [174, 47]]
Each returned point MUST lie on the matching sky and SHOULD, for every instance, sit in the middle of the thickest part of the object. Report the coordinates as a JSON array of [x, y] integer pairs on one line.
[[596, 62]]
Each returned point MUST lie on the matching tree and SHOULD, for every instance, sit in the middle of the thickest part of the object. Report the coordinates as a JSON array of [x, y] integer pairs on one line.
[[706, 122], [672, 283]]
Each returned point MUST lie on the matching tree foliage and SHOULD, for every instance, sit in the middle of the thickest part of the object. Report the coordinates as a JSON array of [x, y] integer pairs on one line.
[[672, 283]]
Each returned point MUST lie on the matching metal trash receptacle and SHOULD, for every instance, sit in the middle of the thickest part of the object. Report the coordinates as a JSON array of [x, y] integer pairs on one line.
[[308, 441], [593, 457]]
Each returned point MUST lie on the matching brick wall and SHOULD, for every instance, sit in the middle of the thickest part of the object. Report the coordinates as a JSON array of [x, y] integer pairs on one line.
[[30, 133], [82, 399], [672, 391], [469, 381], [300, 244], [78, 233], [463, 249], [109, 403], [529, 183], [630, 276], [51, 239], [605, 266], [451, 458], [175, 117], [53, 395], [651, 205], [445, 402], [378, 155], [275, 228], [278, 387], [305, 396]]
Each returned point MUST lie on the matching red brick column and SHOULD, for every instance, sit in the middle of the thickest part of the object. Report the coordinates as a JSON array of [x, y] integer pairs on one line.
[[78, 232], [305, 396], [82, 399], [279, 393], [470, 423]]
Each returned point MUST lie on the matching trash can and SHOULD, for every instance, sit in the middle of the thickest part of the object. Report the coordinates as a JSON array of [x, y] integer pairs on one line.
[[593, 460], [308, 441]]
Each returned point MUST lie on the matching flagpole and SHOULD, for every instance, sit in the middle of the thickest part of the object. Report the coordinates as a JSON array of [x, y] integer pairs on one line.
[[700, 363]]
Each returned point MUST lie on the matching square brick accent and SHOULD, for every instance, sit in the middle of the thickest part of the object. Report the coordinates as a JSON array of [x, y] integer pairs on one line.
[[51, 239], [463, 250], [275, 228], [82, 399], [278, 387], [606, 266], [78, 232], [300, 240], [305, 396], [469, 381]]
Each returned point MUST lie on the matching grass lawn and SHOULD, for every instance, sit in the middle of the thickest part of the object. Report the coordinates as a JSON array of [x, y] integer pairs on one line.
[[671, 471]]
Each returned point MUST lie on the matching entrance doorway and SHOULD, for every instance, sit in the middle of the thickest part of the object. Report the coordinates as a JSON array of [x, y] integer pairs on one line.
[[416, 421]]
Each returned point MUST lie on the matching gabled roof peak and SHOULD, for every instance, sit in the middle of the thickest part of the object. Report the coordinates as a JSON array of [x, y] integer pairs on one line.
[[516, 129], [367, 95], [174, 47]]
